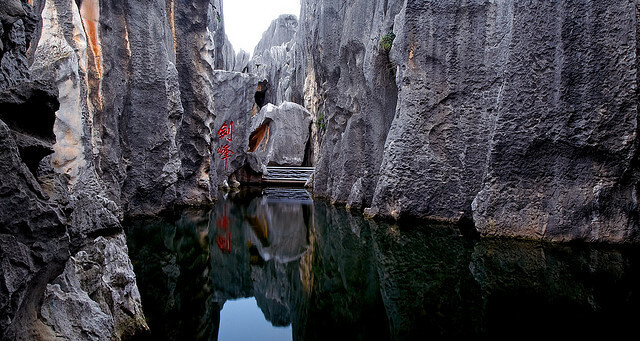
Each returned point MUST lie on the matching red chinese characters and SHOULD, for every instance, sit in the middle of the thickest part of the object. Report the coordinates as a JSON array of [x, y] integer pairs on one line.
[[225, 132]]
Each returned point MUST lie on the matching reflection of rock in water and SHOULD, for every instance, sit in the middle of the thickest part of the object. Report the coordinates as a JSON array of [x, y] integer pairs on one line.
[[435, 283], [576, 290], [265, 238], [332, 275], [171, 259], [279, 228], [425, 282], [341, 297]]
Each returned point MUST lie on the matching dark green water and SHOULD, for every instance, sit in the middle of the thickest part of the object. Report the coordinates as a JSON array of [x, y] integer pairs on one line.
[[317, 272]]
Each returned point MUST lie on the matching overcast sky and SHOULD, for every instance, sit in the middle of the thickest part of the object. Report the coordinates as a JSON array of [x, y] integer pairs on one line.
[[246, 20]]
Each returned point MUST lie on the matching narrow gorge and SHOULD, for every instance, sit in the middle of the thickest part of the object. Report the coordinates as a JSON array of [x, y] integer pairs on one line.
[[495, 118]]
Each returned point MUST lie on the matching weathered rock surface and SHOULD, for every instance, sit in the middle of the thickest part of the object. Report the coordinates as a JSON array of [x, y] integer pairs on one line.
[[563, 153], [448, 89], [33, 132], [33, 239], [350, 90], [242, 61], [280, 134], [233, 100], [274, 60], [96, 296], [17, 26], [528, 110], [150, 148], [244, 144], [280, 32], [34, 243]]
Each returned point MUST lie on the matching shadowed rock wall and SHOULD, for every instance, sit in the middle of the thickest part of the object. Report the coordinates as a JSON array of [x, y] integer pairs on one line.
[[349, 89], [528, 110], [136, 103], [131, 135], [46, 216]]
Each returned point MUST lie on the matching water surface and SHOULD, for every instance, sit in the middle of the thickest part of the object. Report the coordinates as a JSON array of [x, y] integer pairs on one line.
[[272, 264]]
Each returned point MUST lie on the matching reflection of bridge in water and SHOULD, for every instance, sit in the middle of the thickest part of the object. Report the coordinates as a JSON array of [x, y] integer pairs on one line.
[[287, 175]]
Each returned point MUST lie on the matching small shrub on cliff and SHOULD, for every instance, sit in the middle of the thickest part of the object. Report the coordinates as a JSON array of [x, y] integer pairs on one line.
[[387, 41], [320, 123]]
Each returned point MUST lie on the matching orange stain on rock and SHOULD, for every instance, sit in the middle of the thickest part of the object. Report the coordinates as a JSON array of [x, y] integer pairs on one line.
[[172, 23], [90, 14]]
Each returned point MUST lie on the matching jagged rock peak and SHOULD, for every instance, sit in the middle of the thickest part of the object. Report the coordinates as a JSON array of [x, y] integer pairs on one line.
[[281, 31]]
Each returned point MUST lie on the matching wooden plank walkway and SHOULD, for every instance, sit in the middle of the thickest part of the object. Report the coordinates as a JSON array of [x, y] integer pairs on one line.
[[295, 176]]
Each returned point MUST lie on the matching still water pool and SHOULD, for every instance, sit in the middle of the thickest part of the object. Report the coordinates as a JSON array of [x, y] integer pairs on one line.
[[273, 264]]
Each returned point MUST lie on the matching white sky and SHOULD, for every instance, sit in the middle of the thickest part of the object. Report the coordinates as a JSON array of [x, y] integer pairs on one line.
[[246, 20]]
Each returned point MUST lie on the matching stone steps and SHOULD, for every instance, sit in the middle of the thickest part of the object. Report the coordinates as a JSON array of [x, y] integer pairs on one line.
[[288, 175]]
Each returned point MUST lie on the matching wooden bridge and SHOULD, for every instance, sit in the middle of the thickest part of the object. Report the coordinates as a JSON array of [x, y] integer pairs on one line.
[[291, 176]]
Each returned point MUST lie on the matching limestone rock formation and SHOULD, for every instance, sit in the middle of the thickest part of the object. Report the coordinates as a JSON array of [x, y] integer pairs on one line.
[[33, 132], [132, 132], [96, 295], [17, 27], [562, 162], [233, 100], [280, 134], [138, 114], [280, 32], [274, 60], [528, 110], [33, 238], [245, 144], [349, 88], [242, 61], [448, 91]]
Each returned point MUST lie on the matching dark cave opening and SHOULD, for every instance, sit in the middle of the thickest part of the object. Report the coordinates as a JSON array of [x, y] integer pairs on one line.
[[261, 93]]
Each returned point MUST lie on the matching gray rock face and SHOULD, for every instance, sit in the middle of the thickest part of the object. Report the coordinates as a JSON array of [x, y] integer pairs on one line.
[[280, 32], [562, 162], [151, 147], [448, 89], [17, 25], [349, 89], [280, 134], [242, 61], [33, 234], [45, 220], [96, 295], [520, 108], [233, 102], [274, 60], [33, 239], [222, 53]]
